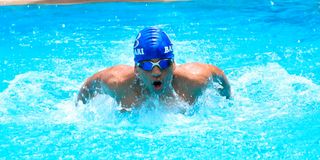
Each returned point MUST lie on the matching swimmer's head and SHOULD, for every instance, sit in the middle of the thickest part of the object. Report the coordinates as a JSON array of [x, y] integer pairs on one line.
[[152, 43]]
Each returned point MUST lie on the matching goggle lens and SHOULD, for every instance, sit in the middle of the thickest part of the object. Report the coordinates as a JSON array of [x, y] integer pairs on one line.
[[162, 64]]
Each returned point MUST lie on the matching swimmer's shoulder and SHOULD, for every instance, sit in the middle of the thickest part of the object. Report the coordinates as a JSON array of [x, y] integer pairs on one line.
[[117, 75], [190, 79], [193, 73]]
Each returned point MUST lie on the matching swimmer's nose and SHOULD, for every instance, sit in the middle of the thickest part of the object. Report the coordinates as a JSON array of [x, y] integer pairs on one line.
[[156, 71]]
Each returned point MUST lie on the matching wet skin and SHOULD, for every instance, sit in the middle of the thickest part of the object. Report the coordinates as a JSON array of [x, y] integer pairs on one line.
[[130, 86]]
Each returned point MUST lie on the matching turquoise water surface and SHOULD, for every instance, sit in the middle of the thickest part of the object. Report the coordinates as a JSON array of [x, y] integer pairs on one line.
[[269, 50]]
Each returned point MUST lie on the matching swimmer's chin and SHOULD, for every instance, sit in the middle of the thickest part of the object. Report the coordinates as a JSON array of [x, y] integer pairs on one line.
[[125, 110]]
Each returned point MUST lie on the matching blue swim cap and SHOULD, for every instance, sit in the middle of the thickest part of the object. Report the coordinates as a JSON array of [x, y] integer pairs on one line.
[[152, 43]]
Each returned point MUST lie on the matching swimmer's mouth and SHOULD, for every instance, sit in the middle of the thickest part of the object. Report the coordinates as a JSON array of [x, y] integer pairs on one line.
[[157, 85]]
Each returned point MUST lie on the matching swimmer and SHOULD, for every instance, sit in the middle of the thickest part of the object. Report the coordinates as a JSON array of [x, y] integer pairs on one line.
[[155, 74]]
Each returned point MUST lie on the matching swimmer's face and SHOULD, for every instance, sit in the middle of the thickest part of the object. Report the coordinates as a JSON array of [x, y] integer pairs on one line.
[[156, 80]]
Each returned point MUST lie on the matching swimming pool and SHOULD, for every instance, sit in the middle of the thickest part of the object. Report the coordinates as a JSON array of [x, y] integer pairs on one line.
[[269, 50]]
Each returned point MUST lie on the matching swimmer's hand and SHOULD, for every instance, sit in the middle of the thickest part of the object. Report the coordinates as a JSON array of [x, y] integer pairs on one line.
[[224, 89], [224, 92]]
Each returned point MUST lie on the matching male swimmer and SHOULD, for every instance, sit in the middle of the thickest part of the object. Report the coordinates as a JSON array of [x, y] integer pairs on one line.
[[155, 74]]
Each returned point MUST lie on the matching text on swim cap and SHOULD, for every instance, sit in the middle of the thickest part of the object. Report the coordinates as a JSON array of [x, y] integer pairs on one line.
[[168, 49], [138, 51], [136, 43]]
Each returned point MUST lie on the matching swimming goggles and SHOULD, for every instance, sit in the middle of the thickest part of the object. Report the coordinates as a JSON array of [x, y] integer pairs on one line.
[[162, 64]]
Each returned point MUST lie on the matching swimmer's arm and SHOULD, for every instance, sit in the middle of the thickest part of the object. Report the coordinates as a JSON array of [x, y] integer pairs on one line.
[[103, 82], [219, 77], [90, 88]]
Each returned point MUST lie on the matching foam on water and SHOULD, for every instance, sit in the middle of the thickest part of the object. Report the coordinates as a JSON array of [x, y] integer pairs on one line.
[[269, 55], [264, 96], [259, 93]]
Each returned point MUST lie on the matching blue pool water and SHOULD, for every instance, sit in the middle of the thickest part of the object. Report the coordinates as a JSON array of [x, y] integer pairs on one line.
[[269, 50]]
